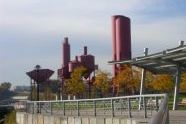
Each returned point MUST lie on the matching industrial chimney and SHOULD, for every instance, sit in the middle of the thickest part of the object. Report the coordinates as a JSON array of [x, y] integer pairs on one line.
[[65, 52]]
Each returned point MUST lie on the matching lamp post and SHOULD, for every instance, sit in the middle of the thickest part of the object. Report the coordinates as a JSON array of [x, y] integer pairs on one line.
[[37, 68]]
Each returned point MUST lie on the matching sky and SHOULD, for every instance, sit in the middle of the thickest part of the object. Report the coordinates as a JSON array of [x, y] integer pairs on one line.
[[31, 31]]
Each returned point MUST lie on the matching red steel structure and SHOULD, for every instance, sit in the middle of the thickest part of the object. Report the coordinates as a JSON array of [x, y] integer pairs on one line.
[[64, 71], [65, 52], [121, 39], [86, 60]]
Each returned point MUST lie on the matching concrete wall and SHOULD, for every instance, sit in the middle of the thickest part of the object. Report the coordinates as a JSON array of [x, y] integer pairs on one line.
[[24, 118]]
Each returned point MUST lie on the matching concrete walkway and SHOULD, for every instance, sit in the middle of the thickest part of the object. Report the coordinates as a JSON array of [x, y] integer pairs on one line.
[[177, 117]]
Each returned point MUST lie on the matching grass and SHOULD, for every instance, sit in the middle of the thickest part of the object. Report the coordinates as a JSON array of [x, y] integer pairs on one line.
[[171, 99], [10, 118]]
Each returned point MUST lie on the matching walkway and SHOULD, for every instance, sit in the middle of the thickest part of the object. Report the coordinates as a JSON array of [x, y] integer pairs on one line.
[[177, 117]]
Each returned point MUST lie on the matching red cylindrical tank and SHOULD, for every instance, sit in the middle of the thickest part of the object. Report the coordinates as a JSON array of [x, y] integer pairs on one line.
[[114, 43], [114, 37], [121, 39]]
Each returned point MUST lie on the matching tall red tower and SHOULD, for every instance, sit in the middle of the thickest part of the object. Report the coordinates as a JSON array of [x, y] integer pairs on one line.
[[63, 72], [121, 39], [65, 52]]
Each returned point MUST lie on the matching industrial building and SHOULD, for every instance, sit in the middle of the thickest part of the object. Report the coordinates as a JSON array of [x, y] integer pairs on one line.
[[86, 60]]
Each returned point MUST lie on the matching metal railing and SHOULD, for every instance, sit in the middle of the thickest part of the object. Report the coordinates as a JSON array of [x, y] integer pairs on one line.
[[162, 116], [153, 106], [18, 105], [125, 106]]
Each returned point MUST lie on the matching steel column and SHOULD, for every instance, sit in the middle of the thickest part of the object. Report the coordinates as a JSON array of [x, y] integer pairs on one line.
[[176, 87], [31, 89], [142, 79]]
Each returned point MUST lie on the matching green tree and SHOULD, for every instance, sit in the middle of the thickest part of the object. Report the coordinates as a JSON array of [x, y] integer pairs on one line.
[[5, 92], [5, 85], [75, 85], [102, 82]]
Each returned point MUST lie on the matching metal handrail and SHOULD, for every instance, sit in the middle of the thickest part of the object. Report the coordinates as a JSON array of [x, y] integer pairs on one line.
[[125, 106], [162, 116], [109, 98]]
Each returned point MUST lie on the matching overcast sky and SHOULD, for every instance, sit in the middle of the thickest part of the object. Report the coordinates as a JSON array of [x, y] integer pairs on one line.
[[31, 31]]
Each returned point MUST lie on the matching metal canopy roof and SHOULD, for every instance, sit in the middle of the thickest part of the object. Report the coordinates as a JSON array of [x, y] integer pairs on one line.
[[165, 62]]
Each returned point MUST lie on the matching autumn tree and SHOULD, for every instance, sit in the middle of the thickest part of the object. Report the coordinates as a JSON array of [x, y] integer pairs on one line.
[[162, 83], [102, 82], [75, 85], [126, 79], [183, 82], [148, 87]]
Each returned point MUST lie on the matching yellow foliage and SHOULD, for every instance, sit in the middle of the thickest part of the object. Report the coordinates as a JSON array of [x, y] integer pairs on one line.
[[126, 78], [102, 82], [183, 82], [75, 85], [162, 83], [149, 77]]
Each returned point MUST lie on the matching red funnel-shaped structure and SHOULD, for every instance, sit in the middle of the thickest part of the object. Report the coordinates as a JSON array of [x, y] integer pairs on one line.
[[40, 75]]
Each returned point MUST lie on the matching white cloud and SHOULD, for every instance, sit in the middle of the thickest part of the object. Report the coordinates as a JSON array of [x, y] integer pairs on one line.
[[159, 35], [88, 18]]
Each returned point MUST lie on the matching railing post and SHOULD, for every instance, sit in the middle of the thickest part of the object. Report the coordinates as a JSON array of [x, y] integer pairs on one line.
[[144, 105], [39, 107], [104, 106], [50, 108], [112, 108], [129, 108], [33, 109], [157, 104], [64, 108], [26, 107], [78, 108], [94, 102]]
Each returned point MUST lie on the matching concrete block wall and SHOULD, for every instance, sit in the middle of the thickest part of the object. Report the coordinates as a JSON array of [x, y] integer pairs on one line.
[[25, 118]]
